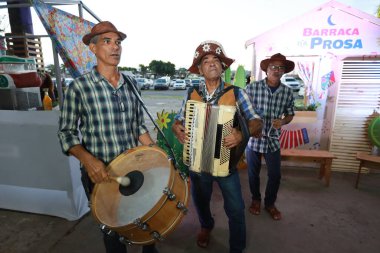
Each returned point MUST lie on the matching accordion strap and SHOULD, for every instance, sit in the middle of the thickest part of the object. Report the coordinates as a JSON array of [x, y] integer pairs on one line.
[[215, 98], [221, 93]]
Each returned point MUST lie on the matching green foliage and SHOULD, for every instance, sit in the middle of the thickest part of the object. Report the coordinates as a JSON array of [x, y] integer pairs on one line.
[[299, 106], [227, 75], [240, 79], [182, 72], [162, 68], [133, 70], [176, 146], [50, 69], [143, 69]]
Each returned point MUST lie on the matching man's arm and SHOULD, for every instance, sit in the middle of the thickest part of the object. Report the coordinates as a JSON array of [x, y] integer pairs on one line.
[[255, 127], [95, 168], [145, 139], [277, 123]]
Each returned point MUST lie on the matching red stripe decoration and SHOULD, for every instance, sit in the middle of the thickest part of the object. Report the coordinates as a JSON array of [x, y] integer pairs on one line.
[[293, 138]]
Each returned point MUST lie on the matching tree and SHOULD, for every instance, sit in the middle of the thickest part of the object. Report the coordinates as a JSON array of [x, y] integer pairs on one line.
[[50, 69], [143, 69], [133, 70], [181, 73], [162, 68]]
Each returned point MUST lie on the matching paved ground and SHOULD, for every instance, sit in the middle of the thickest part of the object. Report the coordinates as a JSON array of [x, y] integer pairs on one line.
[[316, 219]]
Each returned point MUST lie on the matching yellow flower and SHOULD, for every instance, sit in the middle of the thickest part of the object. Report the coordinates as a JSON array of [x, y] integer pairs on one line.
[[162, 119]]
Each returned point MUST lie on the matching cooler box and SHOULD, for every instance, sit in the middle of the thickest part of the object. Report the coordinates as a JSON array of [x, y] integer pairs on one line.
[[22, 70]]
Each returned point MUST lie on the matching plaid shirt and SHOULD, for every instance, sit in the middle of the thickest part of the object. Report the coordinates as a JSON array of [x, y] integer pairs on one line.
[[243, 102], [269, 106], [110, 119]]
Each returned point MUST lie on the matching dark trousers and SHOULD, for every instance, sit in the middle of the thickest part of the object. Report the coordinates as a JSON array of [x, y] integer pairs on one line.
[[273, 162], [111, 240]]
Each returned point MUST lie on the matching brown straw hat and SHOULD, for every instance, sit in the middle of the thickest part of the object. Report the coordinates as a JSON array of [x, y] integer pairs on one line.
[[100, 28], [289, 65], [210, 47]]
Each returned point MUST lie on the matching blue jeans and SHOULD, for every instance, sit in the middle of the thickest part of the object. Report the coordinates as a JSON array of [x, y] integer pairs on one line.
[[201, 190], [113, 245], [273, 162]]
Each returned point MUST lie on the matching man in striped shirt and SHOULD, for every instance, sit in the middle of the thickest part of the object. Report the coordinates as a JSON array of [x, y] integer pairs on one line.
[[274, 103], [109, 116]]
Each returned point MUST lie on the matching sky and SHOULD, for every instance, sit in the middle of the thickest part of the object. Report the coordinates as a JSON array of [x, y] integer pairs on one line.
[[170, 30]]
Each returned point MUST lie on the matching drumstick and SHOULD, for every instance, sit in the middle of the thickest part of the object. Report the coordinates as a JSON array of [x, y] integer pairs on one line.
[[124, 181]]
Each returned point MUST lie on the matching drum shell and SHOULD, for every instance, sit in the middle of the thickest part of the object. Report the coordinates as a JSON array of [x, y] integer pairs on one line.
[[162, 217]]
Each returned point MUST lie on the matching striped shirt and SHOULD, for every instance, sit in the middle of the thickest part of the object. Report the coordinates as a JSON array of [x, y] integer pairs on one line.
[[110, 119], [242, 100], [269, 106]]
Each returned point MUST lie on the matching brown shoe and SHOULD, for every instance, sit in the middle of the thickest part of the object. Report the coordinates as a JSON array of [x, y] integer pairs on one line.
[[255, 207], [204, 237], [274, 213]]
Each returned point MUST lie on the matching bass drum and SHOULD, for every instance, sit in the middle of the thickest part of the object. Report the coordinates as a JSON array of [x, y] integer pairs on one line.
[[150, 207]]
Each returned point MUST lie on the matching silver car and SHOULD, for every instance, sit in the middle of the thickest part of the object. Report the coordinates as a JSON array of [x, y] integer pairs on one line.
[[291, 82]]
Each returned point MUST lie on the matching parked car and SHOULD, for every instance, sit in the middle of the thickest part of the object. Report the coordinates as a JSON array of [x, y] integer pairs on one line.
[[161, 84], [195, 82], [150, 82], [188, 82], [179, 84], [143, 83], [291, 82], [301, 92]]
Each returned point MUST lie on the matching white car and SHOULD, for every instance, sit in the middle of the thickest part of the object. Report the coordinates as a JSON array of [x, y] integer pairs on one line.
[[179, 85], [301, 93], [143, 83], [150, 82], [291, 82]]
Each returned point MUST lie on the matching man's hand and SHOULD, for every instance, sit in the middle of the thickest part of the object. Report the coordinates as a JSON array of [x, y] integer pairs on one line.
[[233, 139], [179, 131], [96, 169], [255, 127], [277, 123]]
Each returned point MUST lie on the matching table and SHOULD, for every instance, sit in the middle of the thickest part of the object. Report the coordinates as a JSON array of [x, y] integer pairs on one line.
[[367, 160], [35, 176]]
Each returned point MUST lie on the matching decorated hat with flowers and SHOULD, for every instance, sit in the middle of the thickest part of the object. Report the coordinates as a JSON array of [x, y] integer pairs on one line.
[[210, 47]]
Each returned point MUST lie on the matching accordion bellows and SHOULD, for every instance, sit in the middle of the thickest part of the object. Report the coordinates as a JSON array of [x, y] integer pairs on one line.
[[207, 125]]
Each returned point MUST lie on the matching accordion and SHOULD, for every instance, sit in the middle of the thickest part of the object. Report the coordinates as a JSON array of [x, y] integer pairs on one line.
[[207, 126]]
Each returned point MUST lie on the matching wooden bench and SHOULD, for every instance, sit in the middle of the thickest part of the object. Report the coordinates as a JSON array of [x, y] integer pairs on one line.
[[322, 156], [371, 161]]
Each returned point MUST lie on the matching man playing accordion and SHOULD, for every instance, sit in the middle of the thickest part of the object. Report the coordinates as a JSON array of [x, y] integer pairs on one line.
[[210, 61]]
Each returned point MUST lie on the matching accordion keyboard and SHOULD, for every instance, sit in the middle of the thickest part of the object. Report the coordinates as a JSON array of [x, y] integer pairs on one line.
[[206, 126]]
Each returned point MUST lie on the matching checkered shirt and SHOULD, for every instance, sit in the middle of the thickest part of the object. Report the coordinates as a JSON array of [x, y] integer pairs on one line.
[[110, 119], [269, 106]]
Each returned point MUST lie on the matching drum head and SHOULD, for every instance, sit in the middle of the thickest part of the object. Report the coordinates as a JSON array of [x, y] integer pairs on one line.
[[112, 207]]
